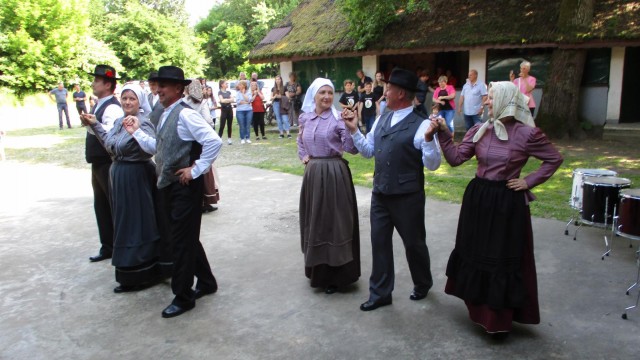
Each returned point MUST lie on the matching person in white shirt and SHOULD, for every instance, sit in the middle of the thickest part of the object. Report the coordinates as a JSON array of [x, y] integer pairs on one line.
[[185, 147], [403, 144]]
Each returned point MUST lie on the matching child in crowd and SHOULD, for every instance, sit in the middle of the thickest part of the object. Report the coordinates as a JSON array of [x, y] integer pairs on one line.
[[349, 97], [368, 108]]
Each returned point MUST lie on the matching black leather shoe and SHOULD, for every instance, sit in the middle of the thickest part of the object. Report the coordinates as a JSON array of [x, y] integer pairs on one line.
[[123, 288], [372, 305], [99, 257], [416, 295], [200, 292], [175, 310], [331, 290]]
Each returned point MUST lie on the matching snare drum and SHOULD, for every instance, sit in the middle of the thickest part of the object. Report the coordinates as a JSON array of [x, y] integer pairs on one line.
[[600, 194], [629, 214], [576, 189]]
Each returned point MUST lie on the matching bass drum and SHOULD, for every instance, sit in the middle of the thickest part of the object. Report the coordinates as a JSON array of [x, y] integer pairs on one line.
[[629, 214], [600, 195], [578, 176]]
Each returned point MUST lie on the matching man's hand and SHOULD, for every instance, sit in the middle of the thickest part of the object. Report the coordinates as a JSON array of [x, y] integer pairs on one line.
[[185, 175], [433, 128], [350, 120]]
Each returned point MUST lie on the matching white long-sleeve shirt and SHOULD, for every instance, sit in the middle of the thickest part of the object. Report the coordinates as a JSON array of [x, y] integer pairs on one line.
[[110, 115], [430, 149], [191, 127]]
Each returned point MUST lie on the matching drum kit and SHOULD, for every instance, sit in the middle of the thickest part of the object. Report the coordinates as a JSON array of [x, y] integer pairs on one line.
[[601, 199]]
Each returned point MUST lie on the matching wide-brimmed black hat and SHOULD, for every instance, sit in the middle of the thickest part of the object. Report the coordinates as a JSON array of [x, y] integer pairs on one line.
[[171, 74], [404, 78], [152, 75], [105, 71]]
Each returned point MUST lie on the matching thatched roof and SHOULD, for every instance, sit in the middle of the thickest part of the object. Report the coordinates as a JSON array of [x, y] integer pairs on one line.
[[318, 29]]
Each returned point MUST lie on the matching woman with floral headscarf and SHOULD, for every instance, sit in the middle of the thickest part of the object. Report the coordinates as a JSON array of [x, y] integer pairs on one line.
[[132, 181], [492, 267], [329, 232]]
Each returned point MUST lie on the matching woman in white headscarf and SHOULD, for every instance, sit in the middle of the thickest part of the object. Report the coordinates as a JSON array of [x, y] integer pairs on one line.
[[330, 237], [132, 180], [492, 267]]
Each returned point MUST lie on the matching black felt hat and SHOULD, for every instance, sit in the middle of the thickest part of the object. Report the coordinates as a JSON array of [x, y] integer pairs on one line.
[[171, 74], [105, 71], [404, 78], [152, 75]]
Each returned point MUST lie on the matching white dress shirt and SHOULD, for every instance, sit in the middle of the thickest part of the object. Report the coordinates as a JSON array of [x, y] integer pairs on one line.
[[191, 127], [110, 115], [430, 149]]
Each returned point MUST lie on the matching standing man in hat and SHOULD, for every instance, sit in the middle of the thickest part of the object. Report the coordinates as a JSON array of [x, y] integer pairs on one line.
[[106, 111], [403, 144], [185, 147]]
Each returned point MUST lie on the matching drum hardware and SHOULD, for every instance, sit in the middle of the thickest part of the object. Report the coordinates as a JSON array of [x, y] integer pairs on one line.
[[627, 224], [624, 315]]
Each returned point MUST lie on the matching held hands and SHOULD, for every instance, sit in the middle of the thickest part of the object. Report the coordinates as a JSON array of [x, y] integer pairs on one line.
[[88, 119], [131, 124], [350, 120], [184, 175], [517, 184], [433, 128]]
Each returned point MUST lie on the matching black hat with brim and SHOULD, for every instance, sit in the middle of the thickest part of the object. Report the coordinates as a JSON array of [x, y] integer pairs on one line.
[[152, 75], [404, 78], [170, 74], [105, 71]]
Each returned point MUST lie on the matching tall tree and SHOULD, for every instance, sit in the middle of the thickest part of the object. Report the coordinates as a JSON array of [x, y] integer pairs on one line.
[[558, 114], [41, 43]]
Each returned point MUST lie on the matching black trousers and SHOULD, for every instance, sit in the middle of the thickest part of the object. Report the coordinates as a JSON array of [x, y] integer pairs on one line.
[[405, 213], [226, 118], [102, 205], [258, 122], [180, 207]]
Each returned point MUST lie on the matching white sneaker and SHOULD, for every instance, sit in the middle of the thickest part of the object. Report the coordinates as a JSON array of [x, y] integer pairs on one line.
[[242, 141], [248, 141], [229, 141]]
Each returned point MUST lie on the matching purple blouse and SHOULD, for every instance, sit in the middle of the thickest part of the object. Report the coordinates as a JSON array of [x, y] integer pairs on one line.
[[503, 160], [323, 135]]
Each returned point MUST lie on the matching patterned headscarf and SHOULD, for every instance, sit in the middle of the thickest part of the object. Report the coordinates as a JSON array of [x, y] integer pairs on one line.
[[144, 102], [194, 89], [507, 101], [309, 104]]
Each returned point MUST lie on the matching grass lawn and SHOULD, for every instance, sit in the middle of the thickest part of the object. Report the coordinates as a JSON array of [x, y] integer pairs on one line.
[[66, 148]]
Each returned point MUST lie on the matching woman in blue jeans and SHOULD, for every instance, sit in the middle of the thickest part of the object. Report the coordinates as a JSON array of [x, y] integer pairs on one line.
[[278, 102], [445, 96], [244, 111]]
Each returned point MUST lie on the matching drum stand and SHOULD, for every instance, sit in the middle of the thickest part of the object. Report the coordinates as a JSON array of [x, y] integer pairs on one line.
[[624, 315]]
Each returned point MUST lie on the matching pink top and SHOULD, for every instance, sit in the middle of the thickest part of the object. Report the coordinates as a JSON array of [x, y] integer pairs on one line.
[[450, 90], [323, 135], [521, 84], [503, 160]]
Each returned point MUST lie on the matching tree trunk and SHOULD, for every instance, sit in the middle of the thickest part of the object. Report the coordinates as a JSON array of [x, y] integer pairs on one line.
[[558, 114]]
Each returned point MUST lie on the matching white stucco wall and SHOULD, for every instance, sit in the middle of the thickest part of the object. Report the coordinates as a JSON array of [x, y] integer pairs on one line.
[[285, 68], [478, 61], [370, 65], [614, 97]]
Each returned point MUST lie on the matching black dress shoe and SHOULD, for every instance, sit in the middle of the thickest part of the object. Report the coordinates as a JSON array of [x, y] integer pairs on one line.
[[200, 292], [372, 305], [99, 257], [416, 295], [175, 310], [124, 288], [331, 290]]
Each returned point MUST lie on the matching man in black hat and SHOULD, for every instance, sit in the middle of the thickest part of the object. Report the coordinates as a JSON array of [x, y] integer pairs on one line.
[[106, 111], [403, 144], [186, 146]]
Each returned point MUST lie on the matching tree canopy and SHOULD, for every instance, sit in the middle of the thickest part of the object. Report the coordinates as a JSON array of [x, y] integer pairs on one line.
[[233, 28]]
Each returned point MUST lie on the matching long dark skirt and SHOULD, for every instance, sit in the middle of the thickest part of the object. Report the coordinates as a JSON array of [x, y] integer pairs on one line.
[[330, 235], [136, 236], [492, 267]]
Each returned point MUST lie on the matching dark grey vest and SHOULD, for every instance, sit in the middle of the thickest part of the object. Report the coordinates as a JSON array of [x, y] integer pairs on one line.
[[155, 114], [399, 168], [94, 151], [172, 152]]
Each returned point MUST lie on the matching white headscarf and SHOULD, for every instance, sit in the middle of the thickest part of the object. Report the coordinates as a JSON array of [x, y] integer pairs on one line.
[[309, 104], [507, 101], [142, 99]]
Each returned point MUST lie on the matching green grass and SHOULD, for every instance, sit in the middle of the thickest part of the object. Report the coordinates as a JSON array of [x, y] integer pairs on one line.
[[446, 184]]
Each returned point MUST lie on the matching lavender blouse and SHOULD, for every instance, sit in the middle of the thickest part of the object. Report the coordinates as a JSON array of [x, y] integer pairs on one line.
[[323, 135], [503, 160]]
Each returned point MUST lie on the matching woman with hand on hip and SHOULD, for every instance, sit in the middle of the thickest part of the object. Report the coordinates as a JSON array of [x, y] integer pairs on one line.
[[492, 267], [329, 232]]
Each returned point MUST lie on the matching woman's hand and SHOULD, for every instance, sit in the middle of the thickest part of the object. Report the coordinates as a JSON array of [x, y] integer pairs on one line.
[[433, 128], [88, 119], [517, 184], [350, 120], [131, 124], [305, 159]]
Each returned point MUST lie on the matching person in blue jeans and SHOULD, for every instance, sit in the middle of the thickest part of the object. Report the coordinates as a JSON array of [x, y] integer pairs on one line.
[[444, 95], [278, 102], [244, 111], [472, 98], [61, 94]]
